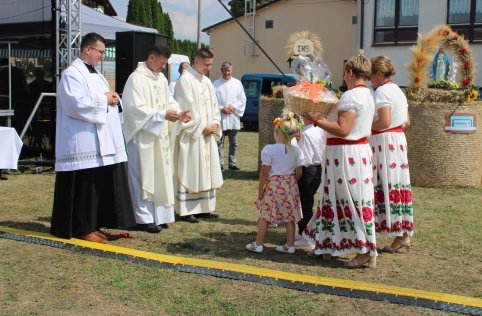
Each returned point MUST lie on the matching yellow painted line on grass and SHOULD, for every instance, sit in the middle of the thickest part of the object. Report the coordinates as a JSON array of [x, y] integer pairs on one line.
[[262, 272]]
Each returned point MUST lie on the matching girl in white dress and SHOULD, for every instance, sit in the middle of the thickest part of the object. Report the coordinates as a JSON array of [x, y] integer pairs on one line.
[[393, 193], [278, 195], [344, 221]]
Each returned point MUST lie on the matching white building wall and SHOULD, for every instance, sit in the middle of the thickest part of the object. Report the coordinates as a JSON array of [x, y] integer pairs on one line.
[[431, 14]]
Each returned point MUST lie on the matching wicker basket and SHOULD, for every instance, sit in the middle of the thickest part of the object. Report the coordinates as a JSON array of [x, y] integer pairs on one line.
[[302, 106]]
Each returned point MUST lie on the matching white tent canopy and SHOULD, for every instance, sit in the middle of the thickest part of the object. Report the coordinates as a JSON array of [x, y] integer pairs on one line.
[[26, 11]]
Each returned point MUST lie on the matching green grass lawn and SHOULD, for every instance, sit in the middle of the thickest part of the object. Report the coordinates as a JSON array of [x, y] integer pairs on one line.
[[35, 279]]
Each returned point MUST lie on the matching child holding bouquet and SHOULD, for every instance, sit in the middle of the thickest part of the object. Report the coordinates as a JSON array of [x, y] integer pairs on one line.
[[278, 196]]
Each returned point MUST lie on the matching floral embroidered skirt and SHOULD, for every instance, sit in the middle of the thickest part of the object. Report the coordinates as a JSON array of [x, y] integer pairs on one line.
[[344, 221], [281, 200], [393, 193]]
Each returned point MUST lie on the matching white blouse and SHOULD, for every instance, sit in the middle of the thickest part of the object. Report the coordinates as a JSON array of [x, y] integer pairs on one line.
[[390, 95], [282, 159], [359, 101]]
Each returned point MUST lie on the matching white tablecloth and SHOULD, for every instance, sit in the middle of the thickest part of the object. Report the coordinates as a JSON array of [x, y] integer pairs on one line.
[[10, 146]]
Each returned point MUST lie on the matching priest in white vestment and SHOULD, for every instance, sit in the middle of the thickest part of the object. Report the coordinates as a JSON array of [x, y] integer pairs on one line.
[[197, 159], [148, 109], [232, 103], [91, 188]]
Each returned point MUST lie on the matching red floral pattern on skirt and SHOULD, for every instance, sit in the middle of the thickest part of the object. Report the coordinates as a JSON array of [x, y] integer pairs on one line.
[[281, 200]]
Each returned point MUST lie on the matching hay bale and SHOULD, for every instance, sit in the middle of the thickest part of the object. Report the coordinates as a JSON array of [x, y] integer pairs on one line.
[[269, 109], [438, 158]]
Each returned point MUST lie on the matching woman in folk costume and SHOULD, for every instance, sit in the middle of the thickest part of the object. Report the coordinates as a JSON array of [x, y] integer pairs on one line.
[[278, 196], [393, 193], [344, 221]]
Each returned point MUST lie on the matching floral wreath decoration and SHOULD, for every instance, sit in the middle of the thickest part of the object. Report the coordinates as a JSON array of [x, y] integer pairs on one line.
[[423, 54], [289, 133]]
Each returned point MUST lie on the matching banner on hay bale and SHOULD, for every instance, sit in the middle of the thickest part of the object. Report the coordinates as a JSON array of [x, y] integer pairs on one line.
[[464, 123]]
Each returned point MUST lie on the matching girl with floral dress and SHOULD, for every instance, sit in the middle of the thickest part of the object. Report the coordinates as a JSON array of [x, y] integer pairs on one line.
[[344, 221], [393, 193], [278, 196]]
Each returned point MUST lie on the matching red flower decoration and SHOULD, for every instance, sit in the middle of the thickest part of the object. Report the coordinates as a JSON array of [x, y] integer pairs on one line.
[[339, 212], [347, 212], [340, 181], [463, 50], [417, 80], [353, 181], [367, 213], [391, 147], [326, 190], [395, 196], [327, 213], [456, 37], [393, 165], [328, 181], [351, 161], [408, 196], [364, 160], [367, 180], [467, 65], [467, 81], [337, 162], [401, 147], [380, 196]]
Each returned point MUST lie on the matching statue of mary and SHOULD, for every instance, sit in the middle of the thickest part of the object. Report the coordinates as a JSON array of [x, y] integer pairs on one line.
[[440, 66]]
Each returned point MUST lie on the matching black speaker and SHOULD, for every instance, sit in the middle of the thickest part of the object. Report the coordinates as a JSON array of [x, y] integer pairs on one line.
[[131, 48]]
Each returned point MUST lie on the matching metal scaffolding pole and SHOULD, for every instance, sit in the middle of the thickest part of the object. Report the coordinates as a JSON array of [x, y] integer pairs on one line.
[[68, 36]]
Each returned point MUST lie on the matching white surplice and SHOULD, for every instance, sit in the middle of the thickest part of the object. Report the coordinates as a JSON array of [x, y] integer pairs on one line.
[[198, 169], [88, 131], [230, 92], [146, 98]]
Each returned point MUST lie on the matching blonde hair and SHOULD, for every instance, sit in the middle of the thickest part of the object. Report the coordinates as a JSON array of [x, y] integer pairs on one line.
[[383, 65], [360, 65], [289, 126]]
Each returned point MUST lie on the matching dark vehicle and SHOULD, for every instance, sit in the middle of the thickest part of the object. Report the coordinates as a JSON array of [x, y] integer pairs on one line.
[[255, 86]]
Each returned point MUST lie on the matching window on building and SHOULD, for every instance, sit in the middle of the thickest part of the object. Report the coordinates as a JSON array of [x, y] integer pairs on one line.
[[268, 24], [465, 17], [396, 21]]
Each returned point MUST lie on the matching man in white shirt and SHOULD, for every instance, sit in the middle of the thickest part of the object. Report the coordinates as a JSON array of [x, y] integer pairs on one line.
[[232, 103], [91, 186], [196, 158], [148, 109], [182, 68]]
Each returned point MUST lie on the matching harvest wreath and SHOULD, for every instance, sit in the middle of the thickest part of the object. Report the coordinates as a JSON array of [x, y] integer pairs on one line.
[[423, 54]]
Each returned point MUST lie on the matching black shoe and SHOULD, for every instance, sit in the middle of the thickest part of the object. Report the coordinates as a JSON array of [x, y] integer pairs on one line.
[[234, 168], [222, 168], [163, 226], [208, 215], [150, 228], [189, 218]]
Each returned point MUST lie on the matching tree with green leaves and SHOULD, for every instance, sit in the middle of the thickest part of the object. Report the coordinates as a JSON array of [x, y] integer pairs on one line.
[[149, 13], [237, 6]]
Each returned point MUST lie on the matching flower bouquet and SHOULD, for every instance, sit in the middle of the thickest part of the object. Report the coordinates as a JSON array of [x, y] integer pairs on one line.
[[312, 95]]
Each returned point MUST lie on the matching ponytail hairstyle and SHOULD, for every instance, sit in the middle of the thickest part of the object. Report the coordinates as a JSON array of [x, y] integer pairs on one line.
[[383, 65]]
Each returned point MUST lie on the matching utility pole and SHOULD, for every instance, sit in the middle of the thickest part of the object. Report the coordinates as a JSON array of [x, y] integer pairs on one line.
[[198, 24]]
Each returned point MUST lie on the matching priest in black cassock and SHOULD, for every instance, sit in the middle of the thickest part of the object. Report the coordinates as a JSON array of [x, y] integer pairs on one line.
[[91, 186]]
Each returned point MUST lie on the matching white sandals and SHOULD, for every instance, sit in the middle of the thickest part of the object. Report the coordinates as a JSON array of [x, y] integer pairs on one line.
[[284, 248], [254, 247]]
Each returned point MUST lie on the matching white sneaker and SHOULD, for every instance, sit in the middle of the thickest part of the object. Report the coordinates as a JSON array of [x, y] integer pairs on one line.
[[254, 247]]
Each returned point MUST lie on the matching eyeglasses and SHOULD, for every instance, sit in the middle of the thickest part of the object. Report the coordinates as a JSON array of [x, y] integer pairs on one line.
[[102, 52]]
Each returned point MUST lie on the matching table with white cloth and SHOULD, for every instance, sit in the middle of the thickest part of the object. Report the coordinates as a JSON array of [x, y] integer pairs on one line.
[[10, 146]]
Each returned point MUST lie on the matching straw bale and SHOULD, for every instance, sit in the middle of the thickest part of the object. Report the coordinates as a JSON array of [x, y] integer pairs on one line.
[[269, 109], [438, 158]]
